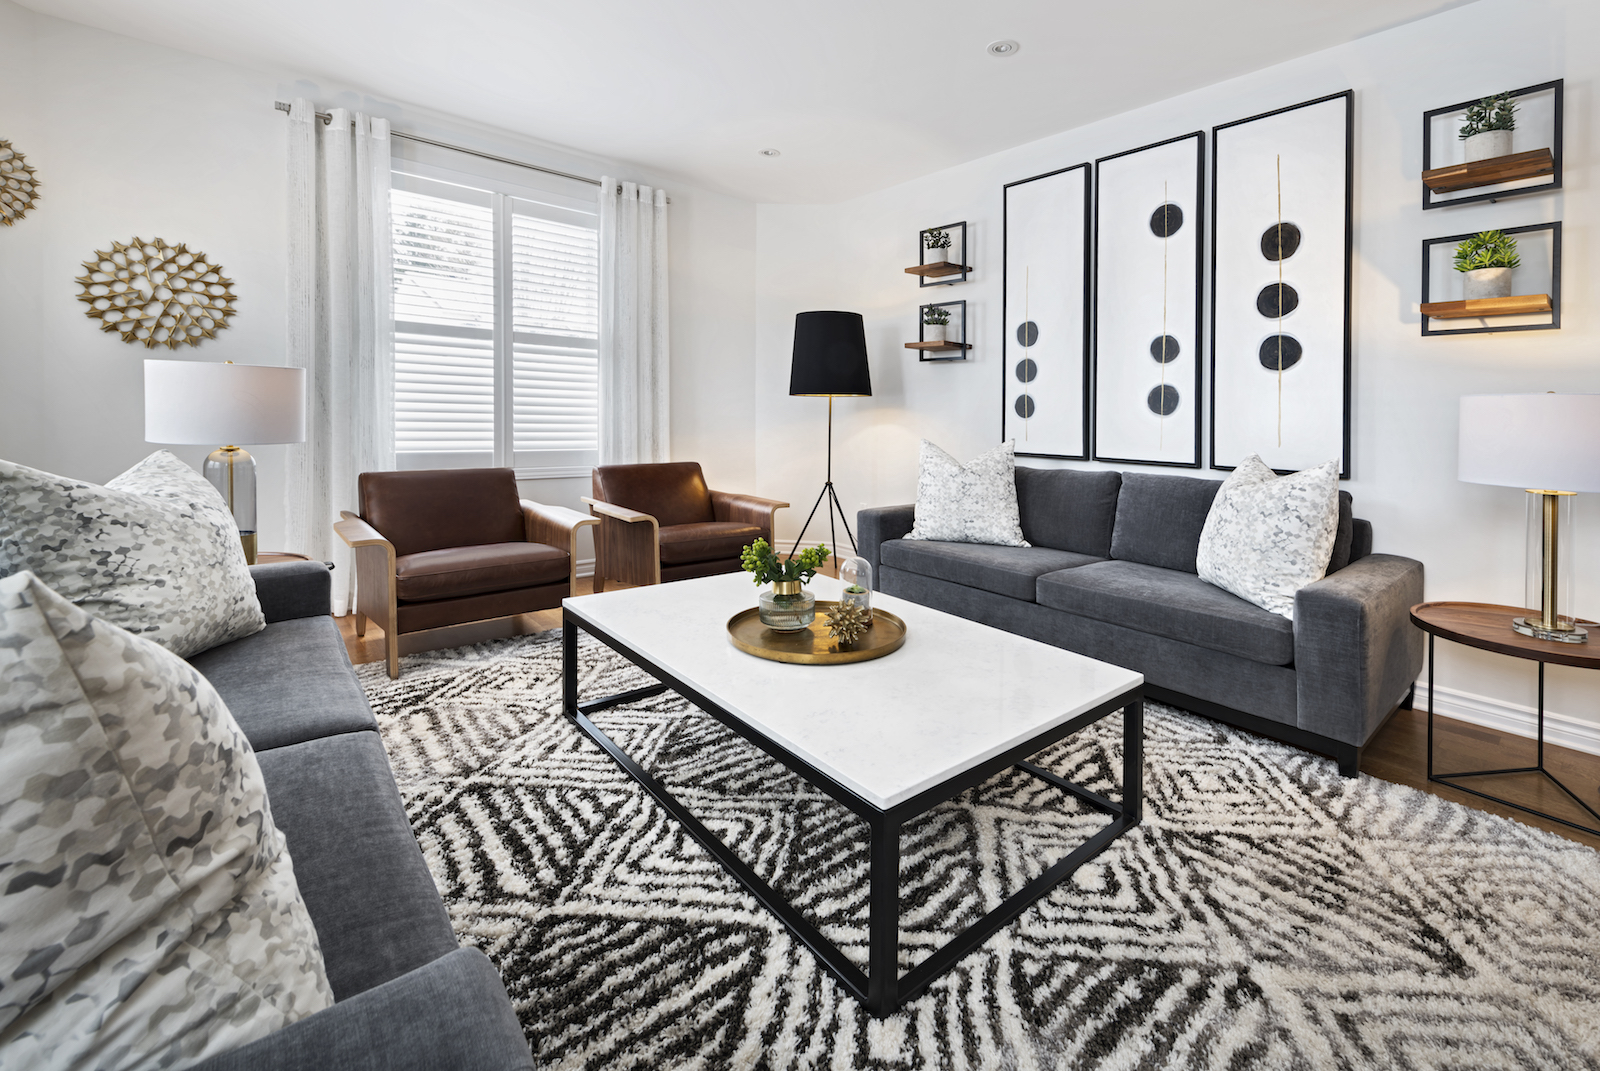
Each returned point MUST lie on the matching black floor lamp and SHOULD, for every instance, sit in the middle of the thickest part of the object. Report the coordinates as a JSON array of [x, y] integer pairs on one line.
[[830, 358]]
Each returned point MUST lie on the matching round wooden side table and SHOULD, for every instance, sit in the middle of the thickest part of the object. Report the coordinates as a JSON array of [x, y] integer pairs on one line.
[[1488, 628]]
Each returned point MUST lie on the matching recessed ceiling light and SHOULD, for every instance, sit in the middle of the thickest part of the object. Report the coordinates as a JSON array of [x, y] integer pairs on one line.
[[770, 152], [1003, 48]]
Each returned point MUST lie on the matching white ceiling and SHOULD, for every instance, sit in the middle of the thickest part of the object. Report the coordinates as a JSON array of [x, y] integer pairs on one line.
[[856, 94]]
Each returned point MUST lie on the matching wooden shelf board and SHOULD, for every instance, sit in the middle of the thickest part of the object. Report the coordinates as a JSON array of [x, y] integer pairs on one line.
[[1499, 306], [935, 271], [1519, 165], [932, 346]]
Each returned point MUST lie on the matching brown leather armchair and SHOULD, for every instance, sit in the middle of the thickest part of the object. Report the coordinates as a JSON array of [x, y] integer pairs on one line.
[[436, 547], [661, 522]]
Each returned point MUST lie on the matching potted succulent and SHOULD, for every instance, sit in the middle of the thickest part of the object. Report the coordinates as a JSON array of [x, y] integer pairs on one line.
[[937, 244], [1486, 261], [1487, 126], [788, 606], [935, 321]]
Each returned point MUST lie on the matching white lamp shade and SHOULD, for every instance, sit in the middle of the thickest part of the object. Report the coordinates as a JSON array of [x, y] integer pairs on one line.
[[1541, 442], [203, 403]]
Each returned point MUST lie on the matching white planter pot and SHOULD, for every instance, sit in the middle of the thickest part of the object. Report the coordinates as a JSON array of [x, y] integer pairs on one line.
[[933, 332], [935, 256], [1487, 282], [1489, 144]]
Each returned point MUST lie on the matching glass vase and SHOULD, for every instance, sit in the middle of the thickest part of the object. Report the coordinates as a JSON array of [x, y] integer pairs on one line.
[[856, 576], [787, 607]]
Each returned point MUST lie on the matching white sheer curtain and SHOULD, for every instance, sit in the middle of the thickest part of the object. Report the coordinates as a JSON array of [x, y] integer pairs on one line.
[[341, 327], [635, 400]]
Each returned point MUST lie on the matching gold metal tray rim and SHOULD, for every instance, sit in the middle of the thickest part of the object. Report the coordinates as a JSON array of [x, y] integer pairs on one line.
[[823, 657]]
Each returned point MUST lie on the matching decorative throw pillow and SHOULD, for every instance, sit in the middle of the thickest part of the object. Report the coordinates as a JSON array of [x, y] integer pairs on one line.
[[971, 503], [155, 551], [151, 913], [1267, 536]]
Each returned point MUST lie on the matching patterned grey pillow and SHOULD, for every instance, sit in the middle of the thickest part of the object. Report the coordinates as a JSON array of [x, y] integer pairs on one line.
[[155, 551], [151, 913], [1267, 536], [971, 503]]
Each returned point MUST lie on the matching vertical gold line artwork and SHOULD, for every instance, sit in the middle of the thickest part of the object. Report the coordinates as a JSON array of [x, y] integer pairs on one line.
[[1166, 231], [1280, 298]]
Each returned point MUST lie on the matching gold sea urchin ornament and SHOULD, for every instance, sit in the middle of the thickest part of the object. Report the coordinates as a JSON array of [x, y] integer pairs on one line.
[[846, 622], [19, 190], [157, 294]]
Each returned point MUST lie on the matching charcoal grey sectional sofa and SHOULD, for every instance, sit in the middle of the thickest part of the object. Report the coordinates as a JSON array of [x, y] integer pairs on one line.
[[1111, 574], [409, 997]]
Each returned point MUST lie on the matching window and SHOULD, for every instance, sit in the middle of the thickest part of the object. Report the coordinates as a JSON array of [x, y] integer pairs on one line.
[[496, 319]]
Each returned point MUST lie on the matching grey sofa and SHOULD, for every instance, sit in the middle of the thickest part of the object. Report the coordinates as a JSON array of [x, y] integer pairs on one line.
[[408, 995], [1111, 574]]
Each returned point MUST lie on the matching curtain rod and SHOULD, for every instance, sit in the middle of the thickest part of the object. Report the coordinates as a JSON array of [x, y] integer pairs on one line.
[[326, 119]]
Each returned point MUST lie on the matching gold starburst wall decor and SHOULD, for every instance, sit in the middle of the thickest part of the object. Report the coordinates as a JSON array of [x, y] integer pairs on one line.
[[155, 293], [19, 190]]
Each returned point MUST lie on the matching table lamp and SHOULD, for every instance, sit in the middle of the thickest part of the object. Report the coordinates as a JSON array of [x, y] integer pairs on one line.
[[830, 358], [194, 403], [1549, 445]]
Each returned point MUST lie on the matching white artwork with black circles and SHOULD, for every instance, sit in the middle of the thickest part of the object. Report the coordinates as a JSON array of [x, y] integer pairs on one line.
[[1045, 311], [1278, 384]]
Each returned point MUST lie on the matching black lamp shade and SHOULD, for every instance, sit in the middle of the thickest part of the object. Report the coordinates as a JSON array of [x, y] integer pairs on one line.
[[830, 355]]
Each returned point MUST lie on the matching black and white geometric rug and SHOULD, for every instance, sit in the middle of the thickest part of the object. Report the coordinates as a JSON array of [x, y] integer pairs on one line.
[[1267, 914]]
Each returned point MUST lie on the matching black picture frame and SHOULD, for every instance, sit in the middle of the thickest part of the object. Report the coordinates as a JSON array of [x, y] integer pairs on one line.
[[1199, 137], [959, 355], [1554, 228], [1088, 306], [1428, 200], [1349, 249], [922, 252]]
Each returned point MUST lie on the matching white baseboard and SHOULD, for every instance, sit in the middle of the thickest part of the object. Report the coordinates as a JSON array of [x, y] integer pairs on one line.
[[1562, 730], [585, 566]]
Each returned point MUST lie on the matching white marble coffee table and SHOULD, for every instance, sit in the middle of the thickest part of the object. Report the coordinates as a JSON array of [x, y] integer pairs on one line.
[[889, 738]]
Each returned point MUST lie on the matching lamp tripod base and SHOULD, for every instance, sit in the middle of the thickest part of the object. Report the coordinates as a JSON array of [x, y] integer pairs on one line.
[[1530, 627], [834, 505]]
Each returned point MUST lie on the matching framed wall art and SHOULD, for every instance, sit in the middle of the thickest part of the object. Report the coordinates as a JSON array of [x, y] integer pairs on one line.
[[1045, 365], [1280, 286], [1149, 224]]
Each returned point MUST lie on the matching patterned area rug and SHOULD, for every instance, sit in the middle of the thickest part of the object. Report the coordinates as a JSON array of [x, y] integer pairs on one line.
[[1267, 914]]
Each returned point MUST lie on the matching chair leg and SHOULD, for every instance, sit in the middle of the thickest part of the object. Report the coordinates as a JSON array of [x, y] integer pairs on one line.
[[391, 644], [599, 582], [361, 624]]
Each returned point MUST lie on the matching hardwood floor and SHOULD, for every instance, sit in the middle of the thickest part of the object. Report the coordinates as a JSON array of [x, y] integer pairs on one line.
[[1398, 753]]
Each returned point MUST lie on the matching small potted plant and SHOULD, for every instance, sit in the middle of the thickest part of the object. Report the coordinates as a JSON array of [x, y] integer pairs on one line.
[[788, 606], [1487, 126], [1486, 261], [935, 321], [937, 244]]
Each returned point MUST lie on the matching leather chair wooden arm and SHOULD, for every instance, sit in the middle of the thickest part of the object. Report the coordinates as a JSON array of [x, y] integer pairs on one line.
[[556, 526], [627, 543], [761, 512], [376, 598]]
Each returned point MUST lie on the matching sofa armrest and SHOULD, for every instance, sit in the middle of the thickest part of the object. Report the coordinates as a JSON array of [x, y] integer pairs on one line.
[[878, 525], [557, 526], [289, 590], [1356, 651], [451, 1013], [747, 509]]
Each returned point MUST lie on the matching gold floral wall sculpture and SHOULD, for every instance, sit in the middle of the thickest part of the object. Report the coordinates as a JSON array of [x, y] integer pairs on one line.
[[19, 190], [157, 294]]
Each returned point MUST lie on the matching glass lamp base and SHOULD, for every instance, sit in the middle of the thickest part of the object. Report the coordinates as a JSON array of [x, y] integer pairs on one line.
[[232, 472], [1530, 627]]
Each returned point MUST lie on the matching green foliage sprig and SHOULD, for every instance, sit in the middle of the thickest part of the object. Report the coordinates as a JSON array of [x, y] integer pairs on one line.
[[1491, 113], [935, 315], [1487, 249], [759, 558], [936, 239]]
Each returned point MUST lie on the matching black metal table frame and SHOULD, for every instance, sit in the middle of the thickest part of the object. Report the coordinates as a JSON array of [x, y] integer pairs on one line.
[[882, 989], [1537, 767]]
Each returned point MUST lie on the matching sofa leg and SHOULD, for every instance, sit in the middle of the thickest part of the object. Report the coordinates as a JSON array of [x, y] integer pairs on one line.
[[361, 624], [1411, 698], [1349, 759]]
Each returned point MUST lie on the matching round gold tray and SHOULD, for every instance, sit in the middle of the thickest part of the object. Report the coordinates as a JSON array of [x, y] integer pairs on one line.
[[811, 646]]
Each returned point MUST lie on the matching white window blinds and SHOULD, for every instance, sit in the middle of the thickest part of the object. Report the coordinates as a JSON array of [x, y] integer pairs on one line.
[[496, 302]]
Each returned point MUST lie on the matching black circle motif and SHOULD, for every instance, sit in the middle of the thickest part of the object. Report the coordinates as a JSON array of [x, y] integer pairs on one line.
[[1027, 333], [1026, 370], [1165, 349], [1163, 400], [1277, 299], [1280, 235], [1024, 406], [1270, 353], [1166, 220]]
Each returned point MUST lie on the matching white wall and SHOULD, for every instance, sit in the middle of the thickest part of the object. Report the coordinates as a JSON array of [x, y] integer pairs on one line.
[[852, 256], [134, 139]]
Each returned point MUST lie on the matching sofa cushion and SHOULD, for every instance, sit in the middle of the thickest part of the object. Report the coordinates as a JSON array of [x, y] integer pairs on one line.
[[1159, 519], [151, 914], [456, 572], [1068, 509], [365, 883], [430, 509], [1010, 571], [971, 503], [326, 699], [673, 492], [682, 544], [1173, 604]]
